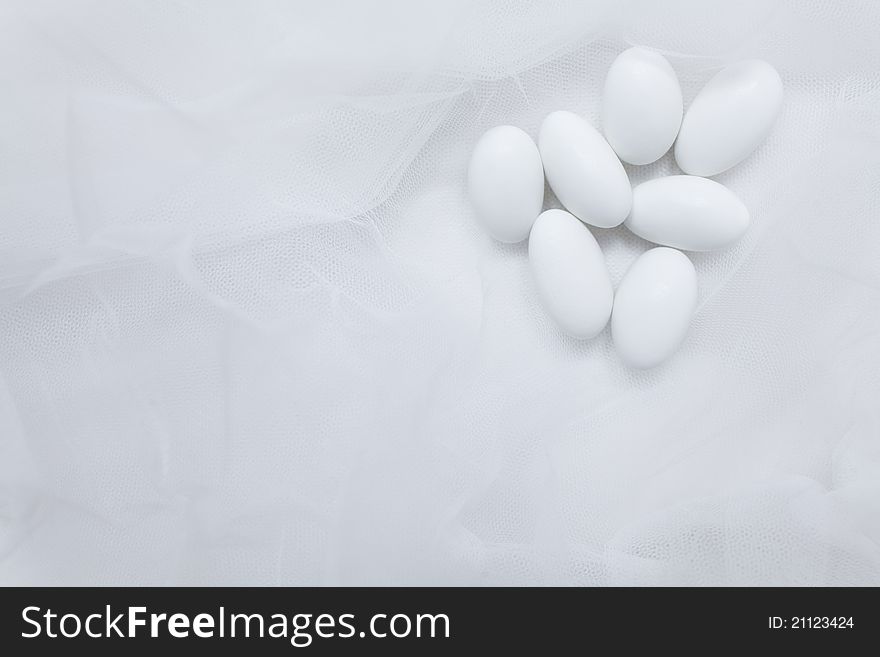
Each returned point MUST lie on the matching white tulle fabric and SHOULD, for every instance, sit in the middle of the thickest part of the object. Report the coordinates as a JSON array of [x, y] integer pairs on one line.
[[250, 332]]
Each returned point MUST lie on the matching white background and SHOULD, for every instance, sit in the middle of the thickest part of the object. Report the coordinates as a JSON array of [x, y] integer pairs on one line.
[[250, 332]]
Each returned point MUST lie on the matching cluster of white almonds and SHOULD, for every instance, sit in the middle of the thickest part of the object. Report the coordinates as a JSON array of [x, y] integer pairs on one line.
[[642, 112]]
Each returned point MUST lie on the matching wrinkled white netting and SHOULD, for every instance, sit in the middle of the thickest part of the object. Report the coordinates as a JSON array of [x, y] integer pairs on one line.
[[250, 332]]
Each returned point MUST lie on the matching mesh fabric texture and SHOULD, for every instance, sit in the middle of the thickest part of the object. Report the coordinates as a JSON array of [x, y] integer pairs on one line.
[[251, 333]]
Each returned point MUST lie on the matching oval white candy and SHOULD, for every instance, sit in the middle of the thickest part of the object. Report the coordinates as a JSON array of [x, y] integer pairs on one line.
[[583, 170], [729, 118], [570, 274], [653, 307], [687, 212], [641, 106], [506, 182]]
